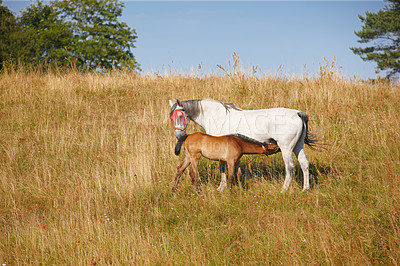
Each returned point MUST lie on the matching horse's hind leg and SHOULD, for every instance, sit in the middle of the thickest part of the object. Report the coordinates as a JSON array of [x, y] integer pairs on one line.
[[222, 168], [289, 167], [181, 168], [304, 163]]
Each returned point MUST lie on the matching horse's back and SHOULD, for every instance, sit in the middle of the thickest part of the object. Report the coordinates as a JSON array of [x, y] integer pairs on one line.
[[263, 125], [275, 111]]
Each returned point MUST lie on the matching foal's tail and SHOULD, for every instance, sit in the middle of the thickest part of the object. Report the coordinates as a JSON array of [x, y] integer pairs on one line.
[[310, 139], [178, 146]]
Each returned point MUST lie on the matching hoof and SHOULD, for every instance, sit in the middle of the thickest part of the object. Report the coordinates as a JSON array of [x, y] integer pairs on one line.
[[221, 187], [283, 190]]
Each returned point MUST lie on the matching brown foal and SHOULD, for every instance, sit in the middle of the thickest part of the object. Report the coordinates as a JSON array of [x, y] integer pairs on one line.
[[229, 149]]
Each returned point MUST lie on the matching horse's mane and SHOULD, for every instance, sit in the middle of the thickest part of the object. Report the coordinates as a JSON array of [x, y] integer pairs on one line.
[[193, 107], [229, 106]]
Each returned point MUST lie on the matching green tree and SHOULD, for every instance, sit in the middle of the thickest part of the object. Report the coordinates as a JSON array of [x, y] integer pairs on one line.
[[383, 30], [99, 39], [44, 36], [8, 28]]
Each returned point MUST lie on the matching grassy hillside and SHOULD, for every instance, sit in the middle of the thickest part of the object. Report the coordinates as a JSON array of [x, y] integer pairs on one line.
[[87, 167]]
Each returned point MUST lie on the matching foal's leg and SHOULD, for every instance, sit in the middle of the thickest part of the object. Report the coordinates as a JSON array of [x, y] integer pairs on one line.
[[193, 170], [181, 168], [239, 175], [231, 172], [304, 163], [222, 168]]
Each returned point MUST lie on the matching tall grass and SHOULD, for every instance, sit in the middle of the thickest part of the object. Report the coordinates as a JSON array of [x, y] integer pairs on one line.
[[87, 167]]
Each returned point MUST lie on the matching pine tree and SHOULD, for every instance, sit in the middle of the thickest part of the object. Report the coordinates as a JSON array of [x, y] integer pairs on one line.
[[383, 30]]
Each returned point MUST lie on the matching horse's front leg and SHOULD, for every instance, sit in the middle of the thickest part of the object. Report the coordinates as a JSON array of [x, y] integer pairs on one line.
[[222, 168]]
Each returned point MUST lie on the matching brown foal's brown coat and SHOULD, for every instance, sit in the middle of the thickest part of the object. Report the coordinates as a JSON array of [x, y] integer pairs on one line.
[[224, 148]]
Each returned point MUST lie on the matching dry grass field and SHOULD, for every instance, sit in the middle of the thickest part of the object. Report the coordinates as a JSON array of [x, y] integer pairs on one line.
[[87, 166]]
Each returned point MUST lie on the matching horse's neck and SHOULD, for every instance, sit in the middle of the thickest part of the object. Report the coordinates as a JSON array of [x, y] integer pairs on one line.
[[212, 116]]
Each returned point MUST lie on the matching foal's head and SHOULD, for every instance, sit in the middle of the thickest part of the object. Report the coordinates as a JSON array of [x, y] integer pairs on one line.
[[270, 148]]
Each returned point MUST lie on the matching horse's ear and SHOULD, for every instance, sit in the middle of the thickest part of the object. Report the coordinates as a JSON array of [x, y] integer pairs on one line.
[[171, 103], [178, 102]]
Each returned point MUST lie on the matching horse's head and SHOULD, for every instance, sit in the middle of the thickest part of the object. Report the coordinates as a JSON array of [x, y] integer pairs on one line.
[[179, 118]]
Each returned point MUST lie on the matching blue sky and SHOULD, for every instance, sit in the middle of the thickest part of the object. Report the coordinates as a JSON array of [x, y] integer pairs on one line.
[[279, 37]]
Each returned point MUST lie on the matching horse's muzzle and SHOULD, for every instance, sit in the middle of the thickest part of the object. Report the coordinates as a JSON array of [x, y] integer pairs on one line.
[[180, 134]]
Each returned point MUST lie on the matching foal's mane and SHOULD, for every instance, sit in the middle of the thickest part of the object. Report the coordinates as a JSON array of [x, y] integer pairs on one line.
[[248, 139]]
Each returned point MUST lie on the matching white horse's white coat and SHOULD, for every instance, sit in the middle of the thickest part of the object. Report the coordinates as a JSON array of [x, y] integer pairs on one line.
[[283, 125]]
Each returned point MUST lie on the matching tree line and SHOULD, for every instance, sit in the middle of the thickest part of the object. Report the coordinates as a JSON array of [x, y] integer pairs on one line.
[[81, 34], [86, 34]]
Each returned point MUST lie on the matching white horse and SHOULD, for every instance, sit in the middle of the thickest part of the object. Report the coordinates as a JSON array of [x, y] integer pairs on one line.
[[286, 127]]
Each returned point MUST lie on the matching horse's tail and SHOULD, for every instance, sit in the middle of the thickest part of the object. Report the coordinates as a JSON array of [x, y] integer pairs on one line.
[[310, 139], [178, 146]]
